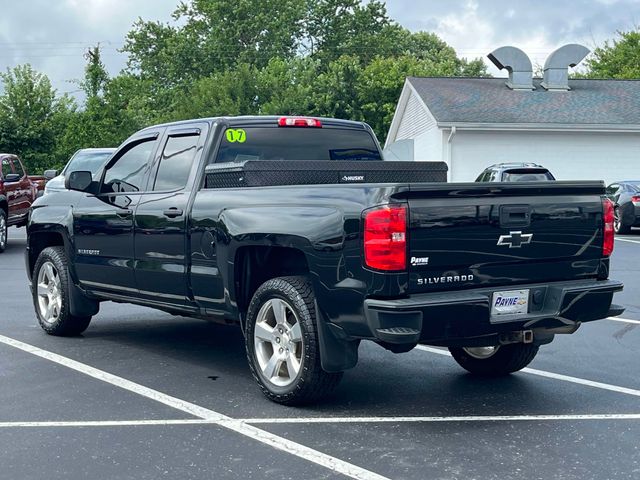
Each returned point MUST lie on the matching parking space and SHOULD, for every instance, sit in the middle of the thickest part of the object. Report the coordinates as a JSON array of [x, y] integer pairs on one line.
[[162, 396]]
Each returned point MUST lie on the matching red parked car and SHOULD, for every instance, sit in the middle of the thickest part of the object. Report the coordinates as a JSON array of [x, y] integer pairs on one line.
[[17, 192]]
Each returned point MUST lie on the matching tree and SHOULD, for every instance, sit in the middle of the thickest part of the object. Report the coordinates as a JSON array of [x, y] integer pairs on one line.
[[212, 36], [31, 117], [617, 59]]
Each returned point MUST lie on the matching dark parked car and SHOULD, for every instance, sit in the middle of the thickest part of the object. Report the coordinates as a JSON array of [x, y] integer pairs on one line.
[[626, 199], [296, 230], [515, 172]]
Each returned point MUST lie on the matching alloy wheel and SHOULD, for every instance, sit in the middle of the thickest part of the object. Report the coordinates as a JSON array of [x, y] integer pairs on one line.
[[481, 353], [49, 293], [277, 338]]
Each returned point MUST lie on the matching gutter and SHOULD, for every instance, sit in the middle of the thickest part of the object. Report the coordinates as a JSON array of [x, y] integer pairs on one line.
[[452, 134], [542, 127]]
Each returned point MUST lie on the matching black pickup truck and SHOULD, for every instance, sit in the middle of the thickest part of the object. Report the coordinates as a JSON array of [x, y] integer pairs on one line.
[[296, 230]]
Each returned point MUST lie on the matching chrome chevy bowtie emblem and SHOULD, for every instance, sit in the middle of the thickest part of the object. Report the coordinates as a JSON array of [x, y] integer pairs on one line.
[[515, 239]]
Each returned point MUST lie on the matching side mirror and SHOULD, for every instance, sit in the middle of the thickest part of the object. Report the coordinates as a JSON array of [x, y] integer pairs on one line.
[[80, 181], [12, 177], [49, 174]]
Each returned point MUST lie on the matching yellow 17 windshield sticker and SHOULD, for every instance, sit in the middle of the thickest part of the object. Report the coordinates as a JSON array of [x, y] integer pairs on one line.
[[236, 135]]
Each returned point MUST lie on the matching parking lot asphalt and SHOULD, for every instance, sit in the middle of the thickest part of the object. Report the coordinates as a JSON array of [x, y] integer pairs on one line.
[[143, 394]]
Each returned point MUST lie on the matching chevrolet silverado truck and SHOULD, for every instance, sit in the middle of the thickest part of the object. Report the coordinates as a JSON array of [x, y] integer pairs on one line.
[[298, 231], [17, 192]]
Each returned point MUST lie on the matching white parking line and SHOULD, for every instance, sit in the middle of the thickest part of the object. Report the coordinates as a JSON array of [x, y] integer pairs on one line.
[[238, 426], [316, 420], [624, 320], [618, 239], [556, 376]]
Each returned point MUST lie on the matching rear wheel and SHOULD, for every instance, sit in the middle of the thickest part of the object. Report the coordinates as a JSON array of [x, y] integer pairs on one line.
[[282, 343], [618, 224], [495, 361], [51, 292], [3, 230]]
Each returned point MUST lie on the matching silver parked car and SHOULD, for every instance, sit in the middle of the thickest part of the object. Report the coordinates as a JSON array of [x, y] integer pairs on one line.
[[87, 159]]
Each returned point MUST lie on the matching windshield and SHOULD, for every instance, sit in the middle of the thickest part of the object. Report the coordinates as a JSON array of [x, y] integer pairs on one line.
[[539, 176], [281, 143], [635, 186], [87, 161]]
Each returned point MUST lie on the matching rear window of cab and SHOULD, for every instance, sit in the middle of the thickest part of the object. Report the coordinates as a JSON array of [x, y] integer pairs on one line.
[[240, 144]]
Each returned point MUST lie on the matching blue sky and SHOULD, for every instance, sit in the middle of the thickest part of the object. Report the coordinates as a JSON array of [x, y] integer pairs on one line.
[[53, 34]]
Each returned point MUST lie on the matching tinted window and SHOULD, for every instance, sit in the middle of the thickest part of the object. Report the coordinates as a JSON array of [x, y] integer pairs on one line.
[[611, 189], [526, 177], [482, 177], [264, 143], [87, 161], [6, 167], [176, 162], [128, 173], [17, 167]]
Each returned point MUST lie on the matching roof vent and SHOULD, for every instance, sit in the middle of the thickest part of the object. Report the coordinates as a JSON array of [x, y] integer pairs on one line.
[[556, 75], [517, 63]]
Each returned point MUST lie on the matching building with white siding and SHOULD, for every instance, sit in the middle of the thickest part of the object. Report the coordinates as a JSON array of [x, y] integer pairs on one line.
[[591, 131]]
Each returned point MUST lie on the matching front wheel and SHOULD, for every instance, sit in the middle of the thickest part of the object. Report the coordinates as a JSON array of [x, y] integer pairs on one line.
[[3, 230], [618, 225], [51, 292], [495, 361], [282, 343]]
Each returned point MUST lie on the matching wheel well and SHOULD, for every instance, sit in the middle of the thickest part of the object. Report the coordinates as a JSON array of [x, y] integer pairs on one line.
[[256, 265], [40, 241]]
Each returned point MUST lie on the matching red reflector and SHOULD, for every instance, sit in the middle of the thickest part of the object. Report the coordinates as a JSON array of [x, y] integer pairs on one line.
[[385, 238], [299, 122], [607, 215]]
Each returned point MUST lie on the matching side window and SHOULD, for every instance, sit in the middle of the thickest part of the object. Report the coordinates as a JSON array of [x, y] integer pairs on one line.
[[17, 167], [175, 163], [481, 177], [6, 167], [612, 189], [129, 171]]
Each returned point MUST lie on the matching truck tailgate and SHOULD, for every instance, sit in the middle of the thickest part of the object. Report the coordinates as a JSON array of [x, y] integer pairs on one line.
[[472, 235]]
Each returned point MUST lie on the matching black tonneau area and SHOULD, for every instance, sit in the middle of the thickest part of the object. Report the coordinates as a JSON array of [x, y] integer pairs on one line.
[[263, 173], [504, 189]]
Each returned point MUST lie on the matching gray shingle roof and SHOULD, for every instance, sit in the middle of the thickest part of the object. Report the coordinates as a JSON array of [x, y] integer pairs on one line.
[[489, 100]]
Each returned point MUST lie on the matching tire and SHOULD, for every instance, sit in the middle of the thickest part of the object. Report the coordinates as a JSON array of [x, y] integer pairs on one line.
[[618, 226], [51, 293], [277, 343], [4, 230], [504, 360]]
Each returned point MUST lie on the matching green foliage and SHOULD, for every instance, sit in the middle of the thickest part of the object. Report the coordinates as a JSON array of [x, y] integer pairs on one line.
[[31, 117], [338, 58], [619, 58]]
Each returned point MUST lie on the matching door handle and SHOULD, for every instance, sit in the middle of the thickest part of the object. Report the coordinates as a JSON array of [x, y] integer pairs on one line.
[[124, 213], [173, 212]]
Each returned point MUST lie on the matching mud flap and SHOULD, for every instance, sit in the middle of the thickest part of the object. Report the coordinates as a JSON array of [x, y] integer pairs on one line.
[[336, 354]]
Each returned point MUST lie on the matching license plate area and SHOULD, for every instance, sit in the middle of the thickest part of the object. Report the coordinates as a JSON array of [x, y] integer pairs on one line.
[[509, 303]]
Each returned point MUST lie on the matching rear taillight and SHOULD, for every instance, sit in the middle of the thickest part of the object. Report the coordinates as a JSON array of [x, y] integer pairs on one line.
[[299, 122], [636, 200], [607, 214], [385, 238]]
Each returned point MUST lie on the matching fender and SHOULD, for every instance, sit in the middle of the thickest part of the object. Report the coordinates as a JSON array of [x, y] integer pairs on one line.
[[319, 233], [59, 220]]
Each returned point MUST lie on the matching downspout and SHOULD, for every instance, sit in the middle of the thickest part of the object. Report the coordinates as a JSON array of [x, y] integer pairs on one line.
[[449, 151]]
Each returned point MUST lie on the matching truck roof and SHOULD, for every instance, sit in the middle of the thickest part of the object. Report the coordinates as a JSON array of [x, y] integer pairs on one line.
[[259, 120]]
